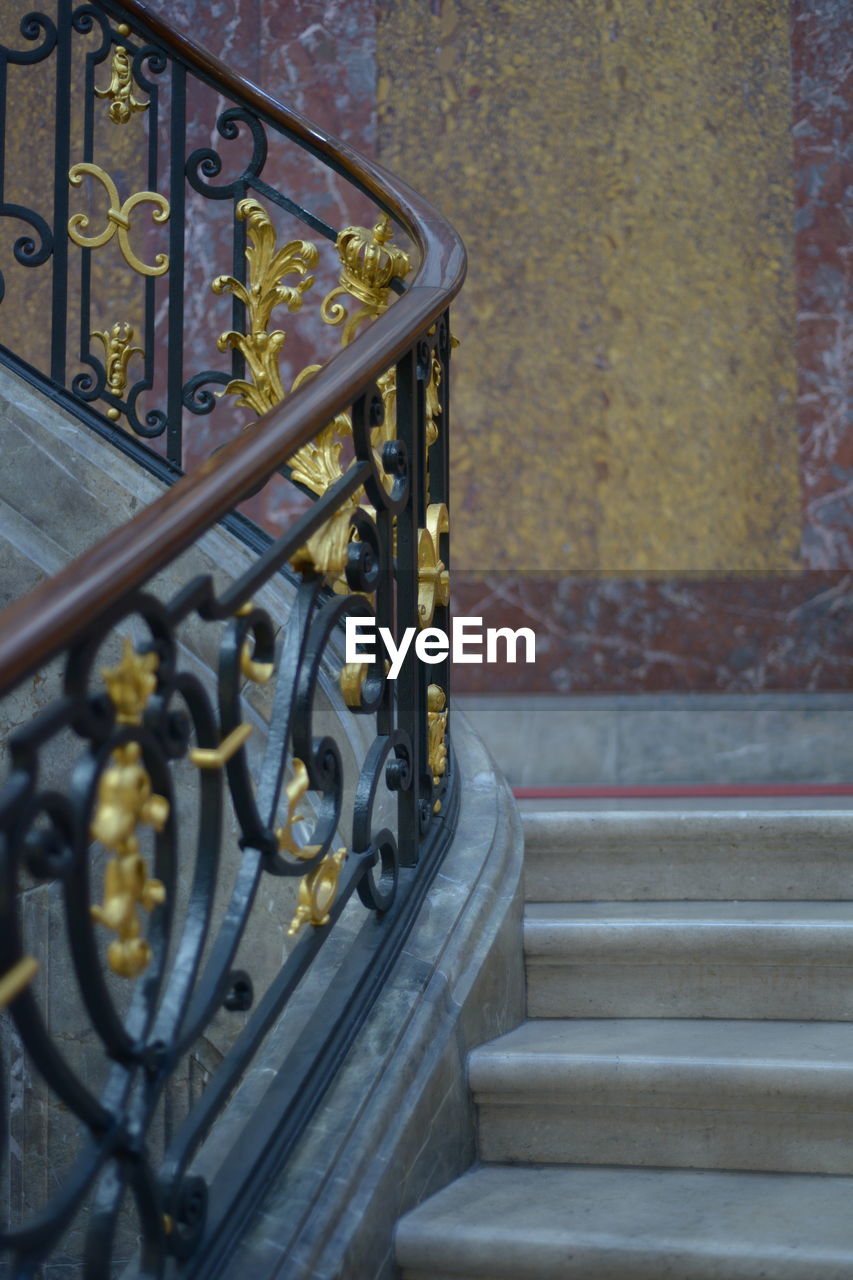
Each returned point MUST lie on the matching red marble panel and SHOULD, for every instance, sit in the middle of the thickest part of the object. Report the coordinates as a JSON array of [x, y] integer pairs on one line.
[[732, 634], [822, 83], [319, 57]]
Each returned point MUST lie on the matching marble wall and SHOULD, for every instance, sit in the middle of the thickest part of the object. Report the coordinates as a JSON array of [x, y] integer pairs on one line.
[[652, 454], [651, 460], [657, 323]]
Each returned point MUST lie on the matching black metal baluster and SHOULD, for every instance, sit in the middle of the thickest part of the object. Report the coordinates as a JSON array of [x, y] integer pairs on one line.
[[62, 163], [177, 239], [411, 709]]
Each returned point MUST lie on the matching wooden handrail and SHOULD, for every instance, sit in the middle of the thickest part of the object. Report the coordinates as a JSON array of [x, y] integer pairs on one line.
[[38, 626]]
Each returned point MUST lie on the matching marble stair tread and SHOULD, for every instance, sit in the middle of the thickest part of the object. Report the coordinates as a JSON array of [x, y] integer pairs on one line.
[[501, 1222], [789, 960], [698, 1093], [694, 855]]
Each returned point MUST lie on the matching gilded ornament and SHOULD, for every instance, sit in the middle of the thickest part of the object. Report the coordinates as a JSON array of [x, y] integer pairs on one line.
[[295, 791], [433, 406], [369, 262], [257, 672], [352, 678], [266, 289], [433, 577], [117, 356], [17, 979], [218, 757], [126, 801], [317, 892], [123, 103], [437, 731], [317, 465], [131, 682], [119, 217], [325, 552]]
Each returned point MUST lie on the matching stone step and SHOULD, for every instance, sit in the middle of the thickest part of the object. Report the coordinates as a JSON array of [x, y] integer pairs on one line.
[[689, 1093], [786, 960], [62, 487], [510, 1223], [716, 855]]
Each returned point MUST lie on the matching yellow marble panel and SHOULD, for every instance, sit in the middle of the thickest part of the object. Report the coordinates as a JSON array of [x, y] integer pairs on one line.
[[621, 173]]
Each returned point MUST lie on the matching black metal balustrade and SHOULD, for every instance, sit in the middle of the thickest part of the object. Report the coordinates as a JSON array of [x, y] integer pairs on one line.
[[91, 811]]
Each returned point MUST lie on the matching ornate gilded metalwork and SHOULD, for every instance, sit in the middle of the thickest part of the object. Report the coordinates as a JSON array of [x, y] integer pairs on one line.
[[317, 464], [131, 683], [266, 290], [433, 406], [295, 791], [218, 757], [120, 90], [257, 672], [117, 355], [437, 731], [352, 678], [369, 262], [125, 802], [325, 552], [433, 577], [17, 979], [174, 853], [119, 215], [317, 892]]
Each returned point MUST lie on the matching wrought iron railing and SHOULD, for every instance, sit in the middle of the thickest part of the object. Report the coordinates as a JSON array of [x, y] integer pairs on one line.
[[96, 848]]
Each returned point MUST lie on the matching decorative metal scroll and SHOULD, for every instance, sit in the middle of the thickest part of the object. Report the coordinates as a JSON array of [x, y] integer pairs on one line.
[[110, 842], [151, 964], [118, 234]]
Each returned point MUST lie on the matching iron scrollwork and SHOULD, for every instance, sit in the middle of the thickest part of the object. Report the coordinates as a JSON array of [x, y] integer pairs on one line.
[[153, 925]]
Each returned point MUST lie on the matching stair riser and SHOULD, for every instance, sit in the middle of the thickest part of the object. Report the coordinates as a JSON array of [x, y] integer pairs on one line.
[[800, 992], [677, 873], [791, 1140]]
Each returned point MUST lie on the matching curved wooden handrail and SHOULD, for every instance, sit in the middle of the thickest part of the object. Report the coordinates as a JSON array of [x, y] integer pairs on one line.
[[38, 626]]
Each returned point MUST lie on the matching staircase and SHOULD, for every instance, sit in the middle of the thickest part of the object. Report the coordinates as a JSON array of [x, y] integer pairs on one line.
[[679, 1102]]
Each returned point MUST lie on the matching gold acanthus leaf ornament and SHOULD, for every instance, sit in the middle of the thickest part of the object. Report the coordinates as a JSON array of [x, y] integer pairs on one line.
[[317, 465], [119, 91], [126, 801], [369, 261], [117, 355], [325, 552], [268, 265], [433, 576]]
